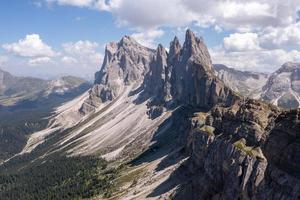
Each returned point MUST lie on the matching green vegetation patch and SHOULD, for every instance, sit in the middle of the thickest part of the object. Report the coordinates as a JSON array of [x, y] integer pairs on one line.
[[250, 151], [209, 130], [58, 178]]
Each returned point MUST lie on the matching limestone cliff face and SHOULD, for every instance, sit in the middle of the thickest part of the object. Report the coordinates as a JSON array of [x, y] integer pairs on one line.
[[193, 80], [184, 76], [125, 64], [157, 82], [244, 152]]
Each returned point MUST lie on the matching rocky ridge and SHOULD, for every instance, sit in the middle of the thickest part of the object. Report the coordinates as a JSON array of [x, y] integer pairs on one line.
[[236, 153], [125, 65]]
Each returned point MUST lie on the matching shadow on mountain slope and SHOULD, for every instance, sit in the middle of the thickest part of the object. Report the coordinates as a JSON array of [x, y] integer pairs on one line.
[[168, 138]]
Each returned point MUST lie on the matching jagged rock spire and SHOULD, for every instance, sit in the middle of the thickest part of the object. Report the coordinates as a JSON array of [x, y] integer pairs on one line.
[[193, 80], [194, 48], [175, 48], [184, 75], [127, 41]]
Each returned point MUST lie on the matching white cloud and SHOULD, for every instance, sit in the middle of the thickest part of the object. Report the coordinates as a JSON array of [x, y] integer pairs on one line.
[[39, 61], [234, 14], [260, 60], [241, 42], [80, 47], [218, 29], [147, 14], [68, 60], [31, 46], [37, 4], [147, 38], [245, 51], [275, 19], [79, 58], [270, 23], [85, 53], [79, 3], [281, 36]]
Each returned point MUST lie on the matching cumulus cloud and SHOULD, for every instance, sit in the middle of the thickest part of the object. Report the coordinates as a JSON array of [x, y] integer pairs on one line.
[[79, 3], [30, 46], [79, 58], [241, 42], [84, 52], [260, 60], [147, 38], [234, 14], [80, 47], [68, 60], [281, 36], [275, 22], [39, 61]]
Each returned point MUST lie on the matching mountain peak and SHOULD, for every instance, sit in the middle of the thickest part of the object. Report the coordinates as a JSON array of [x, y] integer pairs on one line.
[[111, 47], [195, 49], [174, 48], [189, 35], [128, 40], [160, 49], [176, 40]]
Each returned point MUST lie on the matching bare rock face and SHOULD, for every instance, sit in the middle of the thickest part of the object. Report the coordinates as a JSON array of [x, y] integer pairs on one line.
[[247, 151], [157, 82], [283, 86], [184, 76], [283, 147], [193, 79], [125, 64]]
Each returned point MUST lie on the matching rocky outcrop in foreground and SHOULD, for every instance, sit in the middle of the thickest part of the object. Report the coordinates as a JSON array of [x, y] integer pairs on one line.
[[247, 151]]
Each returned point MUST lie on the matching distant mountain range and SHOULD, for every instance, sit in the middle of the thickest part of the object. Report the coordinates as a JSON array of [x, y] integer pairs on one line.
[[281, 88], [25, 104], [14, 90]]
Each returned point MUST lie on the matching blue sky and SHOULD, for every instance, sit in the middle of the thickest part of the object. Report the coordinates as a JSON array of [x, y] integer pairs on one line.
[[50, 38]]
